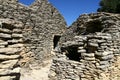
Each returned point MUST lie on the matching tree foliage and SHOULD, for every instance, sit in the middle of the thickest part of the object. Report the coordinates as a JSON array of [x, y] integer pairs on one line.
[[112, 6]]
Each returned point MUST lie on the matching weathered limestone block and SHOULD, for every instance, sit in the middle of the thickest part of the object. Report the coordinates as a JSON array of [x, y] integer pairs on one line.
[[105, 53], [82, 51], [89, 59], [103, 35], [104, 47], [19, 45], [3, 30], [7, 77], [17, 31], [93, 44], [13, 41], [2, 46], [107, 57], [116, 51], [90, 55], [9, 57], [17, 35], [104, 44], [3, 43], [2, 35], [103, 67], [104, 62], [80, 48], [80, 43], [71, 43], [80, 38], [14, 71], [10, 50], [8, 64], [97, 40]]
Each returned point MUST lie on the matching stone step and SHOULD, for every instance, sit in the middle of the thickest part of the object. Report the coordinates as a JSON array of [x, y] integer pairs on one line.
[[8, 64], [9, 57]]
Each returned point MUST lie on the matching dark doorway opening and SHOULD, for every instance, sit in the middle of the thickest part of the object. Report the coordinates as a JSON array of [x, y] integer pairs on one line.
[[73, 54], [56, 40], [94, 26]]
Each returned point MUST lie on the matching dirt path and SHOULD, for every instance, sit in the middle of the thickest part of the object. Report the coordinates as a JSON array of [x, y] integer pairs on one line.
[[39, 74]]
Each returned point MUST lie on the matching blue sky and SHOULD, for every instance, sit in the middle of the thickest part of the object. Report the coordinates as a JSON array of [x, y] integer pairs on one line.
[[71, 9]]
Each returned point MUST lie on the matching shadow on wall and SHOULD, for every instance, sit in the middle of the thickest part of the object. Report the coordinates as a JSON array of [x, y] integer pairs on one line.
[[26, 2]]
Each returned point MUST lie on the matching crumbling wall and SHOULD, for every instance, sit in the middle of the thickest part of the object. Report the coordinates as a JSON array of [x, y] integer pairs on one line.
[[89, 54], [11, 49], [41, 22]]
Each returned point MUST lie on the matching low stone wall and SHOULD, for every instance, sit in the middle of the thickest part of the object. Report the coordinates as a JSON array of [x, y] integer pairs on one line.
[[90, 57], [11, 46]]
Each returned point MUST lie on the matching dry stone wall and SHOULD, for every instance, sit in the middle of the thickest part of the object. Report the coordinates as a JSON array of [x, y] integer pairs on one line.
[[91, 23], [11, 47], [89, 49], [41, 23], [87, 58], [92, 52]]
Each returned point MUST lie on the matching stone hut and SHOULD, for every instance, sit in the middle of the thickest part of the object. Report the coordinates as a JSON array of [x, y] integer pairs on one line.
[[43, 25], [28, 34], [11, 49], [89, 50]]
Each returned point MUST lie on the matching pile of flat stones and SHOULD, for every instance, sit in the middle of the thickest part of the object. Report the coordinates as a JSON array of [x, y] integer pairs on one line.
[[11, 45]]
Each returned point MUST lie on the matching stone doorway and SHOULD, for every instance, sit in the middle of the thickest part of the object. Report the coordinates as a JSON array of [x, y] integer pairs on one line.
[[55, 41]]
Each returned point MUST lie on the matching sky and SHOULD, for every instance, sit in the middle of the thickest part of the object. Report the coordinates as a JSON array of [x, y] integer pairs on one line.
[[71, 9]]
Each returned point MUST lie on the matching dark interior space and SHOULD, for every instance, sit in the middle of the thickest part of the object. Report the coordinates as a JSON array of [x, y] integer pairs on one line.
[[73, 54], [8, 26], [56, 40], [91, 49], [94, 26]]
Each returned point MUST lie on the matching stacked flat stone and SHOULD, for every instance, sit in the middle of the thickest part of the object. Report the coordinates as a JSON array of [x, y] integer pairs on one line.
[[95, 53], [11, 45], [103, 52], [42, 22]]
